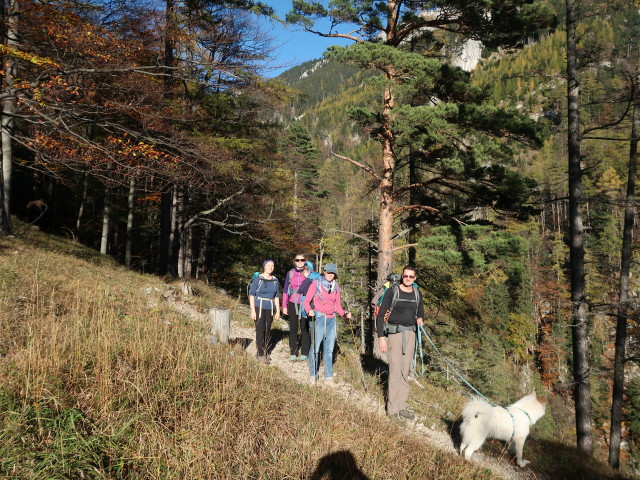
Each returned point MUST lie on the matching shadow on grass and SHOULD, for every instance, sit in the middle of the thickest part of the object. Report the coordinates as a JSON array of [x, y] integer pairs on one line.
[[559, 461], [378, 369], [339, 465], [453, 427], [276, 335], [242, 341]]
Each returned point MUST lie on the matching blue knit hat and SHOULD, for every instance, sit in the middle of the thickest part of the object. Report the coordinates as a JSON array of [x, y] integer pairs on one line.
[[264, 264]]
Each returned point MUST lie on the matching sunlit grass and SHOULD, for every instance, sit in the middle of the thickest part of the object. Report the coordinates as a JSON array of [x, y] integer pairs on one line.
[[102, 379]]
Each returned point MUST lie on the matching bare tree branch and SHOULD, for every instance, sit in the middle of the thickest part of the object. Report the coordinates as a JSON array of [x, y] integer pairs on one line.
[[357, 235], [414, 208], [364, 166]]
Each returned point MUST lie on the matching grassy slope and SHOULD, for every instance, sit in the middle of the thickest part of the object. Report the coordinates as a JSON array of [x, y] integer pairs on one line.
[[101, 379]]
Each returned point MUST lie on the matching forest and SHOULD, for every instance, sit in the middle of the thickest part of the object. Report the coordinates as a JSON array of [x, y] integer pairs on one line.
[[150, 132]]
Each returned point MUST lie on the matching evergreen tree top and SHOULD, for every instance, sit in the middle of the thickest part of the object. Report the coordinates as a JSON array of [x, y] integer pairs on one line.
[[494, 22]]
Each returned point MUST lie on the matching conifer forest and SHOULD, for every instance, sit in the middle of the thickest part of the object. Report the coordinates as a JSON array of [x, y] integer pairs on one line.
[[493, 144]]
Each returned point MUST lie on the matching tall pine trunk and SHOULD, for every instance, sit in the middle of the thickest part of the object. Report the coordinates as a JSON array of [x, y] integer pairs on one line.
[[579, 314], [621, 324], [386, 189]]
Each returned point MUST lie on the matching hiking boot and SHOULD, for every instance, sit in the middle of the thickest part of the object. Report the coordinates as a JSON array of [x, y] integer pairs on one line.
[[313, 381], [267, 359], [260, 358], [406, 414], [293, 358], [302, 358]]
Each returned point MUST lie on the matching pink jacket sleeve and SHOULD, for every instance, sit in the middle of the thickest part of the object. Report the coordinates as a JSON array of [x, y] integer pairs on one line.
[[313, 288], [285, 290]]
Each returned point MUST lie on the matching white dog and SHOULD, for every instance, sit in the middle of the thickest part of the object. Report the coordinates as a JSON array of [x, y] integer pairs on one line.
[[511, 424]]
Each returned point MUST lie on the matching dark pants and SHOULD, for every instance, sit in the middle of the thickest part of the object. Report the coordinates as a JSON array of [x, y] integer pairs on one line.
[[297, 322], [264, 319]]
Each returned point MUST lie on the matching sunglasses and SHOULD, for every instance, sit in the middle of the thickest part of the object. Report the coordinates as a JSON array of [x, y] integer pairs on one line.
[[300, 259], [408, 276]]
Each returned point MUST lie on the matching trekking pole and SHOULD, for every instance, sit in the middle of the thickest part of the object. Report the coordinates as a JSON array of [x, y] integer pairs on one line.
[[313, 346], [353, 336]]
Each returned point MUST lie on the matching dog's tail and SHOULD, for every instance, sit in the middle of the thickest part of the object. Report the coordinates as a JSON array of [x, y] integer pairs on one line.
[[476, 408]]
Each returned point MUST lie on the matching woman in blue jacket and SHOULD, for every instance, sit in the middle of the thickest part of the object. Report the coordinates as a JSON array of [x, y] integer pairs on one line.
[[265, 308]]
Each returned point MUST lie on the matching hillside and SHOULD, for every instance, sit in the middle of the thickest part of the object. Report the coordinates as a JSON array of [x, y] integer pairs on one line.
[[318, 80], [105, 377]]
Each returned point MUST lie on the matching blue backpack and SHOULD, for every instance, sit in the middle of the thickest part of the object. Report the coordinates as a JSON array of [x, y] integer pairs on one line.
[[304, 289]]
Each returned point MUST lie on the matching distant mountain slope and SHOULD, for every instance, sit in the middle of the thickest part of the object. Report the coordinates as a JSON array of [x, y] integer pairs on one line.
[[317, 80]]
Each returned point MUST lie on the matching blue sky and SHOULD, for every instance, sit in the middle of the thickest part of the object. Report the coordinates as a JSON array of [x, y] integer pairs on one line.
[[293, 46]]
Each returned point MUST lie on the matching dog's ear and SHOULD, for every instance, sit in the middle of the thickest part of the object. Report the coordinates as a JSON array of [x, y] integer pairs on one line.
[[542, 400]]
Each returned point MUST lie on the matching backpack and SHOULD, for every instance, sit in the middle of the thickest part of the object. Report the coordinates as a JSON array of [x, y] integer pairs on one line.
[[260, 282], [393, 283], [304, 289], [290, 289], [255, 274]]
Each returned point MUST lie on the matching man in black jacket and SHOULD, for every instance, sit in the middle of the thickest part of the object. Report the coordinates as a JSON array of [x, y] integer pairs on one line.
[[402, 310]]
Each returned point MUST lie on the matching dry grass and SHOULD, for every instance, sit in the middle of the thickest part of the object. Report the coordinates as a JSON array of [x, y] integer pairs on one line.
[[101, 379]]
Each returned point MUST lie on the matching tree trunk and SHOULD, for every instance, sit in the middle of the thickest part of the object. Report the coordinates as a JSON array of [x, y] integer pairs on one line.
[[220, 323], [385, 212], [174, 245], [201, 267], [188, 254], [130, 204], [181, 233], [166, 197], [8, 112], [83, 201], [621, 324], [106, 210], [169, 46], [579, 320]]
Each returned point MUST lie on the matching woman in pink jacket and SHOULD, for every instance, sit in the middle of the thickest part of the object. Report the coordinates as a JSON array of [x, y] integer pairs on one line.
[[322, 303]]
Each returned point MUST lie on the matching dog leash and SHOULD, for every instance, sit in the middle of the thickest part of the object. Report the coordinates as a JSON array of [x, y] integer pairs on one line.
[[421, 331]]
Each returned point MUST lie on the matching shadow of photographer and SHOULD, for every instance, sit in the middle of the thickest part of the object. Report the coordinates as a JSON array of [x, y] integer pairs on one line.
[[339, 465]]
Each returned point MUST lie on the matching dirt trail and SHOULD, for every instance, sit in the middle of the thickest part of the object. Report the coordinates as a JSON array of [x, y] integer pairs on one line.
[[366, 401]]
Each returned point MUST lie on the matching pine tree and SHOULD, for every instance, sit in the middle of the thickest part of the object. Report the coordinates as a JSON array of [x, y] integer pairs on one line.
[[408, 116]]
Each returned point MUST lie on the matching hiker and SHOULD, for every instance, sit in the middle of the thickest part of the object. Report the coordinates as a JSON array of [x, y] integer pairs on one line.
[[401, 312], [263, 300], [292, 306], [322, 303]]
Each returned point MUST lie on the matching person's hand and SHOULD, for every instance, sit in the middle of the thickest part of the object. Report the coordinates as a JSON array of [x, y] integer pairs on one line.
[[420, 321], [382, 343], [253, 314], [284, 311], [348, 316], [311, 313], [276, 317]]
